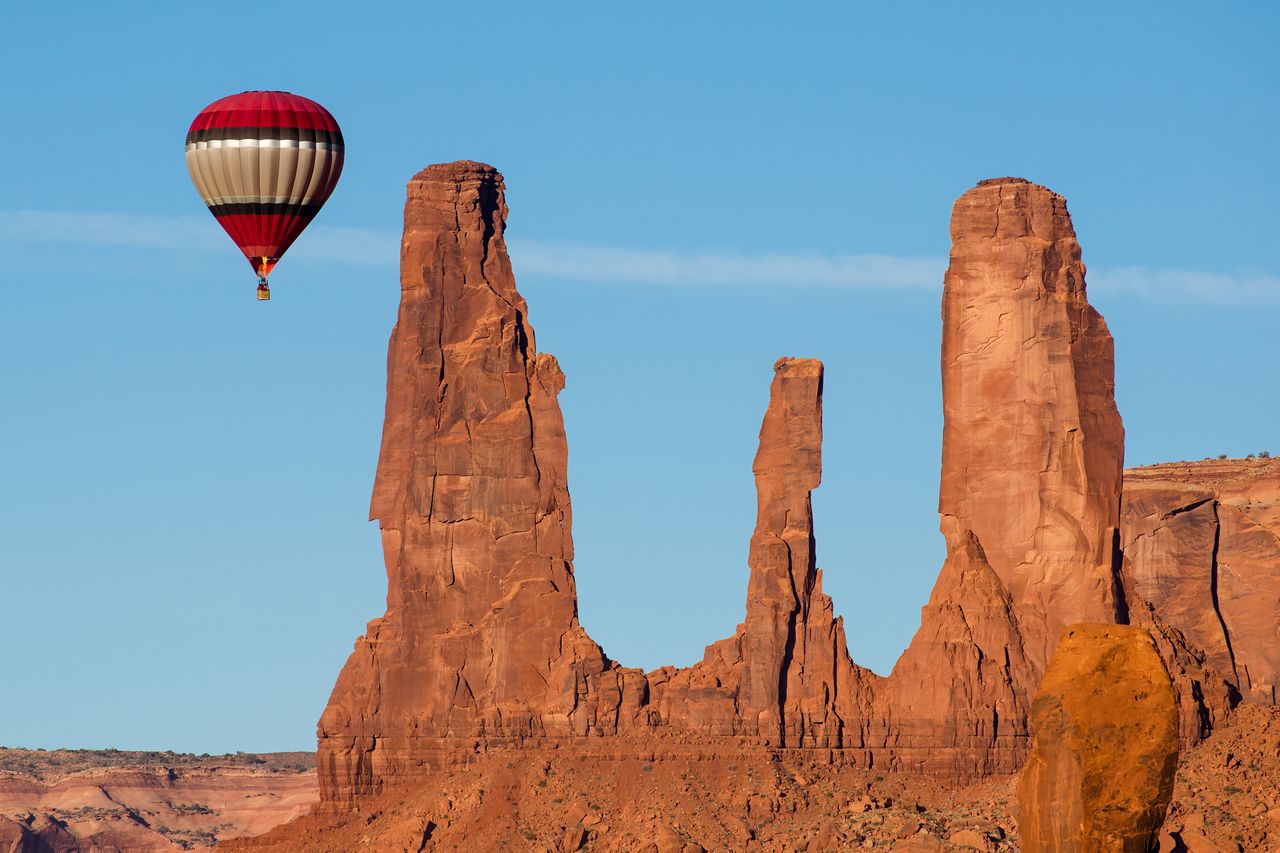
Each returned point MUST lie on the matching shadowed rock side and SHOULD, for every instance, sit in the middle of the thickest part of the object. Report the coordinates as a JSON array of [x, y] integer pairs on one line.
[[1106, 746], [1033, 445]]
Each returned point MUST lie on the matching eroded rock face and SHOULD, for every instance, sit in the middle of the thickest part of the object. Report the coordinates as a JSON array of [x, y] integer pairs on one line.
[[480, 637], [785, 676], [1202, 545], [1033, 445], [959, 696], [1101, 773]]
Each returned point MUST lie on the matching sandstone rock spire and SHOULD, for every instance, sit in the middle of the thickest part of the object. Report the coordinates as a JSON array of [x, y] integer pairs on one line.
[[785, 675], [471, 499], [793, 648], [1033, 445]]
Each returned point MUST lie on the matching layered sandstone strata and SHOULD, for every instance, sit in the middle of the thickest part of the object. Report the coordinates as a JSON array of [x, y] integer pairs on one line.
[[1106, 746]]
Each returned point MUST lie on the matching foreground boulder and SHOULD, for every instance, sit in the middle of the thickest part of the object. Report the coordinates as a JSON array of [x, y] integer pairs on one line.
[[1100, 775]]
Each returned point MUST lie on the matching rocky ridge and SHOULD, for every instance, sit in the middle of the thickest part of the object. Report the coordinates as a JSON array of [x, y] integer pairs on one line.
[[58, 801]]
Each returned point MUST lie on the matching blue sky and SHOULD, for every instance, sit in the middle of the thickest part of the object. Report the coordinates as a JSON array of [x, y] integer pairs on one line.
[[694, 192]]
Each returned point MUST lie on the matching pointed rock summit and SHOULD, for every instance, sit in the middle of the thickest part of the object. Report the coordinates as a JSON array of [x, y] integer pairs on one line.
[[785, 676]]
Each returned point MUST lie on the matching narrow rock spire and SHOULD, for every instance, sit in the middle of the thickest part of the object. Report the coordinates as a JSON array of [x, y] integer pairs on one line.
[[1033, 445]]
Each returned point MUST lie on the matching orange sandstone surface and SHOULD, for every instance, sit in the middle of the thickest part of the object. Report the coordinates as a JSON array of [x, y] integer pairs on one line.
[[1100, 776]]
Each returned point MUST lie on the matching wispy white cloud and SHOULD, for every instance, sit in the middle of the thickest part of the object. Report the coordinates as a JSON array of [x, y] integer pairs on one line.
[[186, 234], [1165, 285], [588, 262], [597, 263]]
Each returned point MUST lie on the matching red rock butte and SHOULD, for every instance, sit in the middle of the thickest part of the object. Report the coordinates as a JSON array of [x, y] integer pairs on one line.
[[480, 647]]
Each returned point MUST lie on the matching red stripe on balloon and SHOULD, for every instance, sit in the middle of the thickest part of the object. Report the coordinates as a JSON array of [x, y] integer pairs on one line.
[[265, 109]]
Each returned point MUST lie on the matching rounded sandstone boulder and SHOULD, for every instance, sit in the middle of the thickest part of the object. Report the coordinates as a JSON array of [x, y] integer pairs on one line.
[[1100, 775]]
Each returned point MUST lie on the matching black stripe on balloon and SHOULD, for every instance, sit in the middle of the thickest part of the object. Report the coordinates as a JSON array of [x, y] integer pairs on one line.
[[305, 211], [303, 134]]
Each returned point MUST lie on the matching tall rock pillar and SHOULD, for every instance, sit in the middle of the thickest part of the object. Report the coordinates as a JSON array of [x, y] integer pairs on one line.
[[472, 501], [1033, 445], [796, 668]]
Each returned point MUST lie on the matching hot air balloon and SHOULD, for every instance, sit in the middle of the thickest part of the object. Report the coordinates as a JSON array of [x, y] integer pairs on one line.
[[264, 163]]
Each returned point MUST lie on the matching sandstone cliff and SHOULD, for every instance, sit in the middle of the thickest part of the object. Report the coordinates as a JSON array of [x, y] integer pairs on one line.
[[63, 801], [1202, 546]]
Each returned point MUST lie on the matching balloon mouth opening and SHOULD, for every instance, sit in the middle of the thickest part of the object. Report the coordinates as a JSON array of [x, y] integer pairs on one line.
[[263, 265]]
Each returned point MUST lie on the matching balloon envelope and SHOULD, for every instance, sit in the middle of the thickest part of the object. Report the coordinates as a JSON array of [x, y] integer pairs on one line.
[[264, 163]]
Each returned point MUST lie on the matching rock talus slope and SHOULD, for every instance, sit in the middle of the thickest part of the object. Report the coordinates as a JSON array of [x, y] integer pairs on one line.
[[1100, 776]]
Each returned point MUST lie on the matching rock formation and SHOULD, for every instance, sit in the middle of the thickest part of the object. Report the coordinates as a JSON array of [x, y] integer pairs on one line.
[[959, 696], [64, 801], [1202, 546], [480, 649], [1033, 446], [785, 675], [480, 638], [1101, 773], [1029, 499]]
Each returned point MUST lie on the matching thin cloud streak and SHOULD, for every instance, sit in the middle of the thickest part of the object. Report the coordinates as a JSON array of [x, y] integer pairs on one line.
[[1183, 286], [586, 262], [596, 263]]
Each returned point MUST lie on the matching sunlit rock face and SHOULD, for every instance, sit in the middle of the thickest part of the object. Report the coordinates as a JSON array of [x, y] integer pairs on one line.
[[1101, 774]]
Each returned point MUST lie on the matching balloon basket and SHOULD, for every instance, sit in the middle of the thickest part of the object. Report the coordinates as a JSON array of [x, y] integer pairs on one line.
[[264, 292]]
